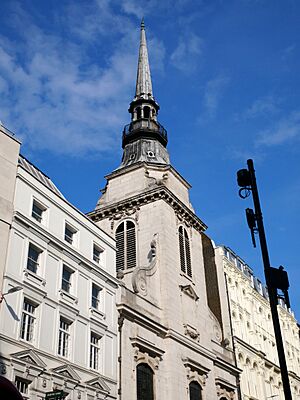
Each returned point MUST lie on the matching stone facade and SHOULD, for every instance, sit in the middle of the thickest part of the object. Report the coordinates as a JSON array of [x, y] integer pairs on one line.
[[254, 339], [165, 322], [60, 330]]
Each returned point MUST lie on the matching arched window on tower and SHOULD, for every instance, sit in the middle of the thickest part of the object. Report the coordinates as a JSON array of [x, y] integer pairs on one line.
[[138, 113], [144, 382], [146, 112], [195, 391], [185, 253], [126, 246]]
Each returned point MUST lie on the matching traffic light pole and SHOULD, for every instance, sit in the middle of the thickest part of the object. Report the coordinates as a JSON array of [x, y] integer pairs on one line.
[[271, 289]]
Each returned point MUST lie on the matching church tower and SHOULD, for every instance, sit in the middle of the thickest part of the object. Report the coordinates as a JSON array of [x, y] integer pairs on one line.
[[174, 333]]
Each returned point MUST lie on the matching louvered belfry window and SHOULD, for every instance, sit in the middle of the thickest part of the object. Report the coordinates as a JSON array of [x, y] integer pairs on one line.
[[185, 252], [126, 245], [144, 381], [195, 391]]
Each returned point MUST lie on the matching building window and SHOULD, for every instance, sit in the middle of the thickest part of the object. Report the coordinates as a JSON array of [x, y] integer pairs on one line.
[[69, 234], [195, 391], [95, 296], [94, 351], [97, 251], [66, 279], [144, 382], [27, 322], [22, 385], [33, 258], [126, 245], [64, 337], [185, 253], [37, 211]]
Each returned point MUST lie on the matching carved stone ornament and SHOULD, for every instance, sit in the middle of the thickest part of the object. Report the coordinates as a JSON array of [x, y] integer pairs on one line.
[[118, 214], [3, 369], [217, 330], [156, 181], [223, 392], [195, 372], [189, 290], [140, 274], [145, 358], [191, 332]]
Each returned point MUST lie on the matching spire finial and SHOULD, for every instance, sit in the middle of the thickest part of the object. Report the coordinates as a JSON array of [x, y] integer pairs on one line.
[[143, 80]]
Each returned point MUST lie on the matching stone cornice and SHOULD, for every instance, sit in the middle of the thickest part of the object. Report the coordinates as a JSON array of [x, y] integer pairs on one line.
[[146, 197]]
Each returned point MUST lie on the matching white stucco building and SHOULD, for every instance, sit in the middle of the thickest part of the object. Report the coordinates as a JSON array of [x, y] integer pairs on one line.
[[174, 330], [254, 339], [9, 153], [60, 331]]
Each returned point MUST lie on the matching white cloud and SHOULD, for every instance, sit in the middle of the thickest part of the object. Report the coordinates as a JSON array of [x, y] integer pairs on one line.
[[262, 107], [186, 55], [286, 129], [54, 94], [213, 93]]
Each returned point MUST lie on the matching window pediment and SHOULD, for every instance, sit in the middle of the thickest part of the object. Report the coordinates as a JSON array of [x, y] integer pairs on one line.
[[29, 357], [99, 384], [67, 371]]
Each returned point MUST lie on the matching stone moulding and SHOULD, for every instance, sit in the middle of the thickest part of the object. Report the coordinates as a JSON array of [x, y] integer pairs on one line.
[[195, 371], [146, 197], [140, 274], [146, 352]]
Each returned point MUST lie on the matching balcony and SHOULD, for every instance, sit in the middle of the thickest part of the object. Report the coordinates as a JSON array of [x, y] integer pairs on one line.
[[144, 128]]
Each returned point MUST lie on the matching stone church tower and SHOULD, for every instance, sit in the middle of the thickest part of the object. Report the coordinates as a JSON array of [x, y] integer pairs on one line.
[[174, 334]]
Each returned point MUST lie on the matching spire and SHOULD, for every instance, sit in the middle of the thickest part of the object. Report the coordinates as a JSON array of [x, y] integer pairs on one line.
[[143, 81], [144, 139]]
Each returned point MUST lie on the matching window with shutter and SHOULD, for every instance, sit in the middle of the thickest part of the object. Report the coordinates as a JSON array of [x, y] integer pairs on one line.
[[126, 246], [195, 391], [184, 251], [144, 380]]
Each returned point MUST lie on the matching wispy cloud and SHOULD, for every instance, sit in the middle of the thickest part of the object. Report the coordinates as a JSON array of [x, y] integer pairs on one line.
[[186, 55], [213, 93], [286, 129], [262, 107], [56, 95]]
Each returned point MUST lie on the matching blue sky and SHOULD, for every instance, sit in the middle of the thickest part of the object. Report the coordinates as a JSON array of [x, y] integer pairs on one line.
[[225, 73]]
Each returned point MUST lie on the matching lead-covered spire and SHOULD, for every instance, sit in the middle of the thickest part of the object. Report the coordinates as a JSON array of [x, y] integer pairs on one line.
[[143, 81], [144, 139]]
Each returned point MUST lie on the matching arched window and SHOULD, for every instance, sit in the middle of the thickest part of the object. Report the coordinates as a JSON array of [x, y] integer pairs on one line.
[[126, 245], [185, 253], [138, 113], [195, 391], [146, 112], [144, 382]]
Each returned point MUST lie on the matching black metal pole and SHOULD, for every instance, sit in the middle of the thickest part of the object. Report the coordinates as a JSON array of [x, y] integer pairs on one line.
[[272, 291]]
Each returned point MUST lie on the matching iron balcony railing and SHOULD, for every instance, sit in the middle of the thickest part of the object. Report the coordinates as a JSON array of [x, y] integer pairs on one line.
[[147, 125]]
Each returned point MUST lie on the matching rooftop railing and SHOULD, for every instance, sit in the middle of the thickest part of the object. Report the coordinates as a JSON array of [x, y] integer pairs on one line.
[[147, 125]]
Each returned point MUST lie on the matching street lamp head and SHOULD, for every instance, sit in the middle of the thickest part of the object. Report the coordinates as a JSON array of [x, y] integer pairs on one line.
[[243, 178], [14, 289]]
